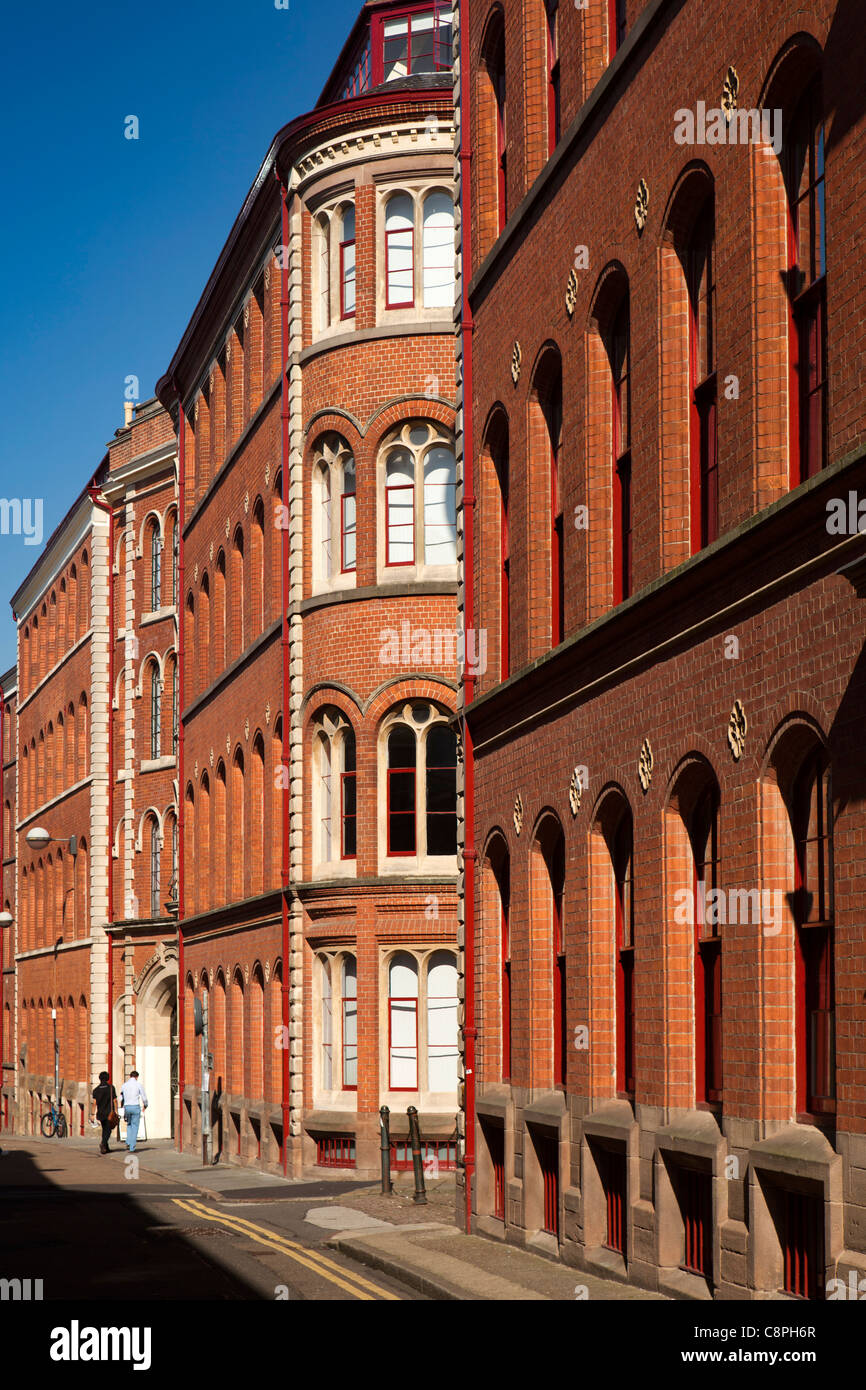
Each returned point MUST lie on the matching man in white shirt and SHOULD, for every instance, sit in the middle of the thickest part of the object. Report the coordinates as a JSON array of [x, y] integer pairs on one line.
[[133, 1100]]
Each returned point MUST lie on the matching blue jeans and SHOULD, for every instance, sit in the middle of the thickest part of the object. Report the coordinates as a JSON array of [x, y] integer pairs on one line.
[[132, 1115]]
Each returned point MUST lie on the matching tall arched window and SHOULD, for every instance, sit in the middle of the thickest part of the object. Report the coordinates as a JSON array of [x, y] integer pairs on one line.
[[237, 813], [236, 1024], [327, 1054], [171, 523], [703, 424], [442, 1038], [438, 251], [812, 822], [257, 830], [554, 113], [349, 1024], [499, 455], [155, 692], [347, 519], [218, 640], [703, 828], [154, 852], [618, 344], [401, 791], [347, 262], [545, 442], [420, 783], [335, 811], [803, 156], [333, 485], [399, 252], [420, 523], [326, 543], [323, 271], [203, 633], [238, 637], [621, 850], [403, 1023], [494, 57], [257, 568], [155, 568], [616, 26]]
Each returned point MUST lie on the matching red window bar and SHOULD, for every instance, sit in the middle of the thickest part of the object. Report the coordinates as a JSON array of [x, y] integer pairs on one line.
[[401, 791], [349, 800], [703, 431], [444, 1151], [505, 564], [548, 1160], [696, 1205], [348, 546], [613, 1174], [335, 1151], [815, 965], [553, 413], [347, 267], [618, 351], [803, 1245], [624, 906], [553, 96], [615, 26], [506, 978], [704, 833]]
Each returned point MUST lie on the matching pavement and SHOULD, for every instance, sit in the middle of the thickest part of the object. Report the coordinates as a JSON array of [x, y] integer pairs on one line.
[[416, 1249]]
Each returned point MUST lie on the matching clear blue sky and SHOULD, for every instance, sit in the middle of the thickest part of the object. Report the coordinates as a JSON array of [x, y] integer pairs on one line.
[[106, 243]]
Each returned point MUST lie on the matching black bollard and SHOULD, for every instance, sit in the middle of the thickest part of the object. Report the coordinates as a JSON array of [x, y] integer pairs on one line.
[[420, 1195], [384, 1118]]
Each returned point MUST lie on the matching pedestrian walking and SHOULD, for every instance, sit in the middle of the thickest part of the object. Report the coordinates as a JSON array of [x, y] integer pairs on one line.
[[104, 1109], [134, 1100]]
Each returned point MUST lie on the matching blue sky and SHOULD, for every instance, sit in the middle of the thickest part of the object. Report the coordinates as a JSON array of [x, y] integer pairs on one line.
[[106, 243]]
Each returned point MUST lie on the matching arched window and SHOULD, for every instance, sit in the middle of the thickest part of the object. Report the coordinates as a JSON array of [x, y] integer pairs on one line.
[[420, 784], [347, 519], [621, 851], [154, 852], [237, 815], [499, 456], [237, 595], [327, 1059], [326, 558], [171, 523], [812, 823], [504, 886], [218, 640], [349, 1023], [399, 252], [236, 1025], [545, 443], [335, 807], [347, 262], [155, 568], [257, 829], [257, 563], [442, 1040], [618, 345], [420, 523], [190, 895], [323, 271], [803, 156], [257, 1034], [155, 710], [554, 113], [703, 425], [220, 890], [403, 1023], [206, 894], [203, 633], [438, 251], [703, 828], [495, 64]]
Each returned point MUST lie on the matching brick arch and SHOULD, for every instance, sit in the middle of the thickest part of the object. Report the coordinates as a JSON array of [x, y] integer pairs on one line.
[[397, 691], [333, 421], [493, 485], [493, 1004], [401, 411], [484, 129], [544, 432], [545, 940], [600, 548], [332, 693]]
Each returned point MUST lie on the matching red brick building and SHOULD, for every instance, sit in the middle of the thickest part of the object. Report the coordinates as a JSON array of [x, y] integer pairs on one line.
[[664, 354], [8, 796], [314, 393]]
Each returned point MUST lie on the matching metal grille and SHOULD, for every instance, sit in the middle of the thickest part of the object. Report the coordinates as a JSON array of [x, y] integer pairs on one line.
[[548, 1159], [612, 1168], [696, 1206], [802, 1244], [335, 1151]]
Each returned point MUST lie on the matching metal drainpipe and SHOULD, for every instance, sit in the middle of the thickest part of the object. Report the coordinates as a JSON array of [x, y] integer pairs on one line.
[[469, 1030], [181, 798], [284, 598], [108, 508]]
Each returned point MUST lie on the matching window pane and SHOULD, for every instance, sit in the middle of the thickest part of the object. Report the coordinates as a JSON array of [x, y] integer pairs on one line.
[[327, 1030], [348, 257], [440, 507], [349, 551], [403, 1044], [401, 747], [400, 508], [442, 1045], [325, 799], [399, 226], [438, 281], [396, 46], [350, 1023]]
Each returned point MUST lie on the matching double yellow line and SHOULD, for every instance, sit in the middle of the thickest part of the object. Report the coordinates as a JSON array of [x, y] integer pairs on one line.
[[354, 1284]]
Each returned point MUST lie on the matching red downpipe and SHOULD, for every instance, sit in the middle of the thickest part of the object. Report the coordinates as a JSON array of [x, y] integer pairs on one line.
[[284, 599], [181, 797], [108, 508], [2, 886], [469, 1029]]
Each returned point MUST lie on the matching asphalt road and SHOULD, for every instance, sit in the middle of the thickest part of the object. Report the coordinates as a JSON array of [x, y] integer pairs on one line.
[[90, 1230]]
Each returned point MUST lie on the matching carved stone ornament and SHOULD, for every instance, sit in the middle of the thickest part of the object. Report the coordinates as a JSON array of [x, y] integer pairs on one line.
[[518, 813], [195, 770], [738, 727], [228, 350], [211, 757], [267, 971], [641, 206], [645, 765], [228, 527], [571, 292], [246, 974], [228, 745], [516, 362], [267, 275], [730, 91], [246, 503], [247, 314], [268, 713], [195, 573], [575, 791], [247, 729], [211, 551], [267, 473]]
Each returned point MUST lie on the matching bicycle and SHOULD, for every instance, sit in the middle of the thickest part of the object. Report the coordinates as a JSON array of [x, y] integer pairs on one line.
[[54, 1123]]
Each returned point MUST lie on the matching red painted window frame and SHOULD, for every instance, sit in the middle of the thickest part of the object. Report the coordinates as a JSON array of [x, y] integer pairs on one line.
[[504, 576], [496, 70], [802, 1245], [554, 106], [345, 816], [703, 414], [709, 1077], [403, 772], [344, 312], [377, 35], [695, 1196], [616, 27], [344, 568], [398, 303], [815, 973], [557, 542], [494, 1136], [344, 1000], [623, 873], [613, 1171], [398, 487], [401, 999], [335, 1151], [560, 1006], [547, 1152], [807, 297], [505, 982]]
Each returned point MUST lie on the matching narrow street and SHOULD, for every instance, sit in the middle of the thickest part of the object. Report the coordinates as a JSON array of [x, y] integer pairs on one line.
[[89, 1229]]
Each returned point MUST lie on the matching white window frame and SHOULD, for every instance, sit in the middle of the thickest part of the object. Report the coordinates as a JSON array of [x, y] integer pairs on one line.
[[420, 861], [331, 459], [337, 1095], [401, 437], [423, 958], [330, 730]]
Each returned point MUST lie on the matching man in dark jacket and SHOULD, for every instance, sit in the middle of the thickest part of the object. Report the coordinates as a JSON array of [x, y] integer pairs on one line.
[[104, 1103]]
